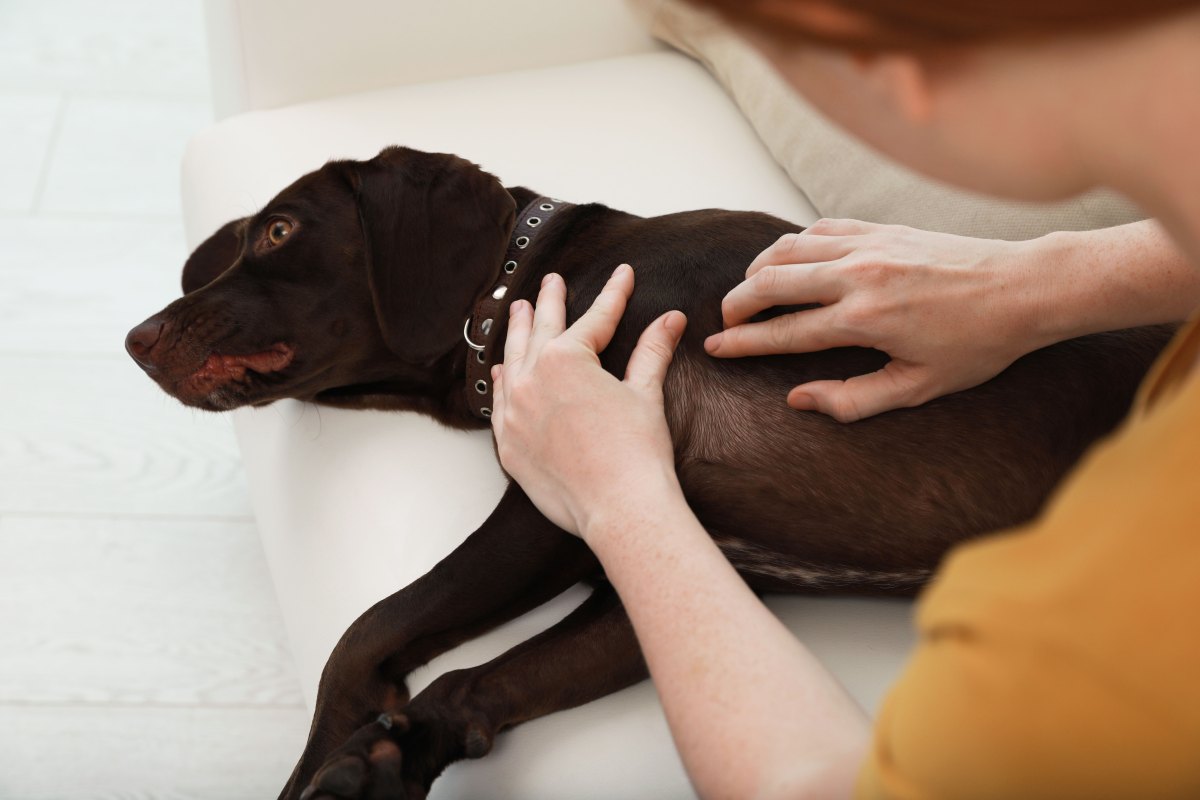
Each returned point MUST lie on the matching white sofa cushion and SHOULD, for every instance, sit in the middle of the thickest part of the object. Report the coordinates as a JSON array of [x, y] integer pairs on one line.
[[353, 505], [272, 53]]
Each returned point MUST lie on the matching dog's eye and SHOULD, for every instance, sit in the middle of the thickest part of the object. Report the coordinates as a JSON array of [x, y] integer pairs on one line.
[[278, 230]]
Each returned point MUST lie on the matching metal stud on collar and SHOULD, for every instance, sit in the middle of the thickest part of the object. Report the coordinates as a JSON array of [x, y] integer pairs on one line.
[[484, 316]]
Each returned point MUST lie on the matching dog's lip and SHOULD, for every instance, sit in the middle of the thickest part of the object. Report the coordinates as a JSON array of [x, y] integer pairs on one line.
[[219, 367]]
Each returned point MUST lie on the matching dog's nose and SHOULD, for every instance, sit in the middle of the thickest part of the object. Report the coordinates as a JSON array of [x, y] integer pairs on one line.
[[141, 340]]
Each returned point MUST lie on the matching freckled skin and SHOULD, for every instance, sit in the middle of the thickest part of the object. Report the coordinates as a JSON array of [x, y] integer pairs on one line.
[[362, 306]]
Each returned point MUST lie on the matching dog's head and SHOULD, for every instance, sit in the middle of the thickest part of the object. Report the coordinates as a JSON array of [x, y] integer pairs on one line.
[[358, 274]]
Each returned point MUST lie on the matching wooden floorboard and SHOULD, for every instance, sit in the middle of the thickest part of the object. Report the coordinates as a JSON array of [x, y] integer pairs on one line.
[[147, 753], [76, 286], [95, 435], [142, 655], [139, 612]]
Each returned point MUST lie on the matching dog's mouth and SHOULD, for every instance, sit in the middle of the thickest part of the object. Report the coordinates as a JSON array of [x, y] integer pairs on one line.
[[211, 383], [221, 367]]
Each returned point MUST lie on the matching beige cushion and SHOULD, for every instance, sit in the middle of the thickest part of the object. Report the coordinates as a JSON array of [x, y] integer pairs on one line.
[[842, 177]]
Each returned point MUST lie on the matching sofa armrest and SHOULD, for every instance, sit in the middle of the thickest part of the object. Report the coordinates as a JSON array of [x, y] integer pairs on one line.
[[271, 53]]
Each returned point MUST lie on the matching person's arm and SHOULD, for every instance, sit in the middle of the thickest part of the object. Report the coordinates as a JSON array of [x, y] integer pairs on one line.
[[951, 311], [1109, 279], [752, 711], [753, 714]]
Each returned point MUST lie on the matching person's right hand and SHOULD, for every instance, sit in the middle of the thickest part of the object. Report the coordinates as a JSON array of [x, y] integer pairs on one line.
[[951, 311]]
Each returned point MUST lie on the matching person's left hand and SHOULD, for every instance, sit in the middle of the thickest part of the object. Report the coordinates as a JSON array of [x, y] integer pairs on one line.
[[579, 441]]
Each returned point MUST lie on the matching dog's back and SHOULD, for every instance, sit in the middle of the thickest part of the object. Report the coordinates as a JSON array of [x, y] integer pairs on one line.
[[799, 500]]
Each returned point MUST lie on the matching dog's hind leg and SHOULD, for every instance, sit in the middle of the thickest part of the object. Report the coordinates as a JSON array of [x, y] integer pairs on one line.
[[514, 562], [589, 654]]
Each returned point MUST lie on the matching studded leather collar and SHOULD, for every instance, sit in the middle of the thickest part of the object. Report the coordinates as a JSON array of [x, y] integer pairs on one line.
[[479, 330]]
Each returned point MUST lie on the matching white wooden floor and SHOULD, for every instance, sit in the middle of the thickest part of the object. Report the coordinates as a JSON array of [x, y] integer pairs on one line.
[[141, 650]]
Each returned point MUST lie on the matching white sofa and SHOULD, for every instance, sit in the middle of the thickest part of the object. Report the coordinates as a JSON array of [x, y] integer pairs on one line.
[[572, 99]]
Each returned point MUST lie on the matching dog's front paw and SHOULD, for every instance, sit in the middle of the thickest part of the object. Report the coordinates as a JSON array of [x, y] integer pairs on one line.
[[369, 764], [397, 757]]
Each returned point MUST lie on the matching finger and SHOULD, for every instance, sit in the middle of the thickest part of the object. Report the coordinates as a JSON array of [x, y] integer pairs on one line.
[[498, 400], [894, 386], [841, 227], [520, 321], [549, 314], [781, 285], [799, 332], [596, 327], [802, 248], [647, 368]]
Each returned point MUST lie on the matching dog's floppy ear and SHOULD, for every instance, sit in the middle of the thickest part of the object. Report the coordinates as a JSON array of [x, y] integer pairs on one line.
[[436, 227], [215, 254]]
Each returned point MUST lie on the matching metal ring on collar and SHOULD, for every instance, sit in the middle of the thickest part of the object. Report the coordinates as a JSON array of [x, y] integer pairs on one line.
[[478, 348], [533, 222], [522, 242]]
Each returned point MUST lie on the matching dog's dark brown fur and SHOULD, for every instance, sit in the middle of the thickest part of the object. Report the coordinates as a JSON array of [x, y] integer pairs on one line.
[[362, 306]]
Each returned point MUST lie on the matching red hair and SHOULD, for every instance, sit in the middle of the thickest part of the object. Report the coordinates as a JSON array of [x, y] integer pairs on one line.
[[903, 24]]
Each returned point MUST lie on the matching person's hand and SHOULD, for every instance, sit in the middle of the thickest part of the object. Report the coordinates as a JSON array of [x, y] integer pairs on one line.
[[578, 440], [951, 311]]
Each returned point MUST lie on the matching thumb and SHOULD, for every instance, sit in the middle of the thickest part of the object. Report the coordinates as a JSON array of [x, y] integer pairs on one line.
[[895, 386], [647, 368]]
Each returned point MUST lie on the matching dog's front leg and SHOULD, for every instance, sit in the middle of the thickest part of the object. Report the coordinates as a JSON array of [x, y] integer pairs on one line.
[[589, 654], [516, 561]]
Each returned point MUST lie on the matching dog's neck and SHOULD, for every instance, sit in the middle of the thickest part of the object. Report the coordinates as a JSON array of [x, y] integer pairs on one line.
[[481, 329], [446, 390]]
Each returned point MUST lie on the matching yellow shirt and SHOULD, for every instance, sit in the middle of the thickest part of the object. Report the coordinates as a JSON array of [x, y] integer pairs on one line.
[[1062, 660]]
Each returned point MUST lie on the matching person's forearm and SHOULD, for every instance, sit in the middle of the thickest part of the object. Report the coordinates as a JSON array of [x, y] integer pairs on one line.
[[1109, 279], [752, 712]]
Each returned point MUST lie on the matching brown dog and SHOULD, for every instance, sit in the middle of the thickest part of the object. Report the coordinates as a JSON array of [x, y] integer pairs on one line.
[[351, 288]]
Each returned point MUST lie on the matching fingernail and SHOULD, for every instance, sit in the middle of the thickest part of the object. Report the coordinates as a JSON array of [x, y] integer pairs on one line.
[[675, 322], [713, 342], [802, 401], [621, 270], [515, 308], [495, 372], [546, 279]]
